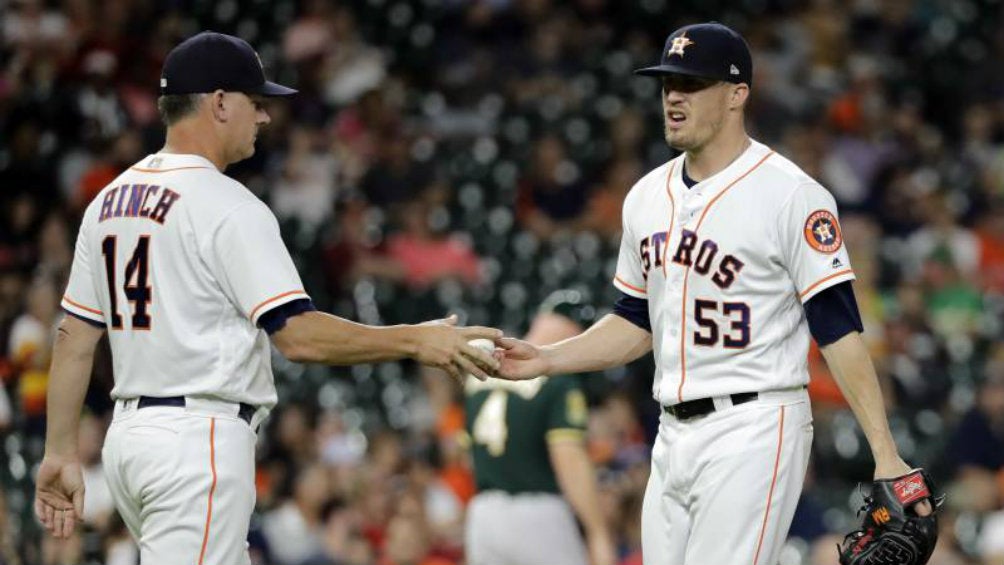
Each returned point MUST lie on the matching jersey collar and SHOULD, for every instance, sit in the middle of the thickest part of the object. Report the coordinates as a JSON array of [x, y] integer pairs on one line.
[[167, 161], [722, 178]]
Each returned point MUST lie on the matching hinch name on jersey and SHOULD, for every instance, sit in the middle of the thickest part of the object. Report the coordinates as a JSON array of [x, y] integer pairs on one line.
[[136, 201]]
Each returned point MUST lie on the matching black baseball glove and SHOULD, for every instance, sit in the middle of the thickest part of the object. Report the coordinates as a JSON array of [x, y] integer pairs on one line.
[[892, 533]]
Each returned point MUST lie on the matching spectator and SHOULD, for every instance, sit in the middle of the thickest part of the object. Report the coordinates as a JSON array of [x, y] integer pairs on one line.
[[942, 233], [358, 129], [355, 250], [552, 195], [351, 67], [603, 215], [408, 543], [991, 261], [294, 529], [30, 348], [395, 177], [341, 544], [97, 105], [124, 150], [306, 186], [976, 446], [426, 253]]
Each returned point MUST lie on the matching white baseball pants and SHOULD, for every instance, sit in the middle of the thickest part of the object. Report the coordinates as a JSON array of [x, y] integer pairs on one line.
[[723, 487], [183, 481], [522, 529]]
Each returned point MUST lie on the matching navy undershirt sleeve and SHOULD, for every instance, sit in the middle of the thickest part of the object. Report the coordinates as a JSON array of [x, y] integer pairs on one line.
[[276, 318], [634, 310], [833, 313]]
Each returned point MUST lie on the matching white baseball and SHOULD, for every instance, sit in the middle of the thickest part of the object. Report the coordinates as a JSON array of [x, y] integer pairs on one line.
[[483, 344]]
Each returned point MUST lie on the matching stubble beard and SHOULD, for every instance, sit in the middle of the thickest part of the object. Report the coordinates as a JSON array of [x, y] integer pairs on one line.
[[675, 139], [694, 142]]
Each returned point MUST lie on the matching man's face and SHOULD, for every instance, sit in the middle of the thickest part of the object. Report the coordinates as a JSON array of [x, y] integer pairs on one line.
[[248, 115], [694, 110]]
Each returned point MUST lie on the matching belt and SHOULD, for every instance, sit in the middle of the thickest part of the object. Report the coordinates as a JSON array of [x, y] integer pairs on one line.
[[704, 406], [245, 413]]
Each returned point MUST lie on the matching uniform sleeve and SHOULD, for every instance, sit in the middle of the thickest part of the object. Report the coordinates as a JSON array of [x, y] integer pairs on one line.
[[568, 414], [251, 262], [81, 296], [630, 278], [833, 313], [634, 310], [812, 245]]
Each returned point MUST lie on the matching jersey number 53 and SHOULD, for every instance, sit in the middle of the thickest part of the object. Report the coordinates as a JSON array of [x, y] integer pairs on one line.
[[736, 334]]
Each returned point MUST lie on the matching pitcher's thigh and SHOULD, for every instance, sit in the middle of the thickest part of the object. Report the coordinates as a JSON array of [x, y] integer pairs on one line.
[[745, 496], [665, 525]]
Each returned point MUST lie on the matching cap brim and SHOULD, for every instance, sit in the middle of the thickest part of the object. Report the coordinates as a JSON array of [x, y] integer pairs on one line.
[[273, 89], [662, 70]]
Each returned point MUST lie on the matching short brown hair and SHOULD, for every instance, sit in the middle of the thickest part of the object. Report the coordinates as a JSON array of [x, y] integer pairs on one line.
[[174, 107]]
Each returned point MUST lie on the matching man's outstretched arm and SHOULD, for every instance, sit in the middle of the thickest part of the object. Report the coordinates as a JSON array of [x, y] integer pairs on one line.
[[611, 342], [317, 337]]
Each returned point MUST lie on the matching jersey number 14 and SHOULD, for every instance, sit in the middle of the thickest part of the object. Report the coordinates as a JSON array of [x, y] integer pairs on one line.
[[134, 284]]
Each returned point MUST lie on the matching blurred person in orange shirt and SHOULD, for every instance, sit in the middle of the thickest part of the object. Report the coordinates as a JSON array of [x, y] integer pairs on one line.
[[603, 212], [120, 152], [30, 348]]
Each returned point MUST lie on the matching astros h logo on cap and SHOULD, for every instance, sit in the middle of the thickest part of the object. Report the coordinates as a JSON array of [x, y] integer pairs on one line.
[[679, 44]]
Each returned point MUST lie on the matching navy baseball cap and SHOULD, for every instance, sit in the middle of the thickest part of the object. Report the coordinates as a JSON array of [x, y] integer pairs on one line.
[[213, 61], [707, 50]]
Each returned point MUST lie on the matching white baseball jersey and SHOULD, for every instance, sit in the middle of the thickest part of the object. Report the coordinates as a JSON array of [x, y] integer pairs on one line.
[[726, 266], [179, 261]]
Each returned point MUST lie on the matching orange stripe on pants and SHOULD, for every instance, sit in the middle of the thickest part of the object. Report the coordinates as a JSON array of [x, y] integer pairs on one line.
[[773, 481], [212, 488]]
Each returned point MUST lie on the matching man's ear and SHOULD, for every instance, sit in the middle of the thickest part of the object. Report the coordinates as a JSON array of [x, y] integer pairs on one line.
[[740, 93], [218, 105]]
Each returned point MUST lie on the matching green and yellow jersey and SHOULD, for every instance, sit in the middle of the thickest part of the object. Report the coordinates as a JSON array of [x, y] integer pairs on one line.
[[510, 424]]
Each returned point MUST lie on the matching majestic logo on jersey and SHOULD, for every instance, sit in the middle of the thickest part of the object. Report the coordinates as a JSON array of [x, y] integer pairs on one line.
[[679, 44], [130, 201], [702, 258], [822, 232]]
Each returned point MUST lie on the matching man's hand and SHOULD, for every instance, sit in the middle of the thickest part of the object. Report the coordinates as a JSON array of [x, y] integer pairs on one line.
[[896, 467], [441, 344], [890, 533], [522, 360], [601, 549], [59, 494]]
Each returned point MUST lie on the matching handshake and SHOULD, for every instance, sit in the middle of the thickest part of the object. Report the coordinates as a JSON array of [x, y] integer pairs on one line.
[[475, 350]]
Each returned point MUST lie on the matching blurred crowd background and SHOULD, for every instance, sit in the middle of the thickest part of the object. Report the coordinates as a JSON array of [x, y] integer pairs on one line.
[[471, 156]]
